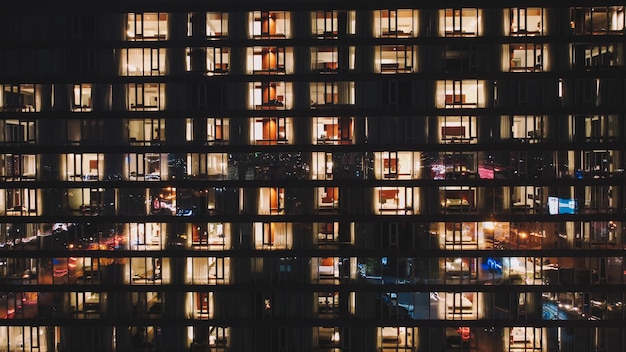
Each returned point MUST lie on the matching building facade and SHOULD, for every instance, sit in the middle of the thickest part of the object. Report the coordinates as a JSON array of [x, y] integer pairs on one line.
[[312, 176]]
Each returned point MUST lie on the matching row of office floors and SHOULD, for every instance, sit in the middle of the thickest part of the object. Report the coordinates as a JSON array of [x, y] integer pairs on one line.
[[390, 286], [385, 180], [390, 41], [260, 232], [449, 257]]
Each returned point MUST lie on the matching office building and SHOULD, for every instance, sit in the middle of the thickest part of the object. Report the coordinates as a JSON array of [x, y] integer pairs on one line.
[[312, 176]]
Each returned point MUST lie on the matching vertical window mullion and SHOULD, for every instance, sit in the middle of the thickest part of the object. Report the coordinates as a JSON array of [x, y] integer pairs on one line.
[[139, 25], [154, 59]]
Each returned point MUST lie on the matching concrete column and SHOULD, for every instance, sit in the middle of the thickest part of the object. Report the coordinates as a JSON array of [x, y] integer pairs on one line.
[[200, 339], [233, 92], [48, 132], [197, 56], [364, 61], [116, 304], [558, 24]]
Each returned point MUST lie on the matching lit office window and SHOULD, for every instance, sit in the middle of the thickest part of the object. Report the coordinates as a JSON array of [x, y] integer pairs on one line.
[[327, 199], [147, 270], [146, 166], [458, 129], [271, 200], [524, 199], [394, 59], [331, 93], [213, 166], [270, 95], [216, 24], [218, 338], [458, 235], [146, 96], [272, 235], [531, 129], [81, 99], [144, 236], [143, 62], [209, 270], [322, 165], [397, 338], [324, 59], [529, 336], [525, 57], [83, 167], [213, 235], [327, 269], [270, 60], [146, 131], [18, 166], [601, 128], [327, 233], [333, 23], [331, 59], [212, 130], [89, 304], [461, 305], [458, 198], [210, 60], [18, 131], [18, 98], [271, 130], [19, 201], [213, 25], [333, 130], [270, 25], [203, 305], [327, 304], [147, 26], [85, 201], [400, 23], [461, 94], [462, 22], [397, 200], [396, 165], [597, 20], [525, 21]]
